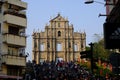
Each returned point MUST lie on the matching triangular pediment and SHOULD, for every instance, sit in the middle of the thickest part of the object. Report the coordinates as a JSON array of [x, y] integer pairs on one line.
[[59, 18]]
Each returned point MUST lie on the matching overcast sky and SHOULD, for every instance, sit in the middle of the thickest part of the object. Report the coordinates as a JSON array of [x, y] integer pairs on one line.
[[84, 17]]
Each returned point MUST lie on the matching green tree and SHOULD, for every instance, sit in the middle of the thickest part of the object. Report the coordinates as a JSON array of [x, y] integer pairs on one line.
[[99, 51]]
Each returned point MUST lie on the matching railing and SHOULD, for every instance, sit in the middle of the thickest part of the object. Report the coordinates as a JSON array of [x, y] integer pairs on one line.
[[16, 13], [19, 3], [13, 60], [14, 40], [15, 20]]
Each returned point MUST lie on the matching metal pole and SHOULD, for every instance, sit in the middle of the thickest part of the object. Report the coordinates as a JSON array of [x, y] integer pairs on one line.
[[91, 46]]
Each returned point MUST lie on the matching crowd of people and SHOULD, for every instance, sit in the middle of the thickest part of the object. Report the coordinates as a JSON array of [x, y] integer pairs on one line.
[[62, 71]]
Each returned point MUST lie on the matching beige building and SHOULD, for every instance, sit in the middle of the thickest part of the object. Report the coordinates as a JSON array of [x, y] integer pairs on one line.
[[58, 41], [13, 23]]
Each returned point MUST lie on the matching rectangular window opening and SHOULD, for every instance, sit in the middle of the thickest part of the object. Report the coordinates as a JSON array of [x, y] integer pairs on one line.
[[42, 47], [59, 46]]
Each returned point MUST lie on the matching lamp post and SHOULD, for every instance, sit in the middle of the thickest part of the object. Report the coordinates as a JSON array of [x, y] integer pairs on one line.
[[92, 1], [91, 48]]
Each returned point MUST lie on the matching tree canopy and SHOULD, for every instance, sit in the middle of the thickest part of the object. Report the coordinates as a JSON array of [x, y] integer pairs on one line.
[[99, 52]]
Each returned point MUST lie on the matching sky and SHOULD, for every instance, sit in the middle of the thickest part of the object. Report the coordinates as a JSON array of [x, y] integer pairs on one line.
[[84, 17]]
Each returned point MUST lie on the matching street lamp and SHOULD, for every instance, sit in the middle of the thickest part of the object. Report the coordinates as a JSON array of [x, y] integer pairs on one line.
[[89, 1], [92, 1]]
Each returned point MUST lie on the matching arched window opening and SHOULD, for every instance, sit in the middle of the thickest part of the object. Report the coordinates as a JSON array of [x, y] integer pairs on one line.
[[48, 44], [69, 45], [59, 33]]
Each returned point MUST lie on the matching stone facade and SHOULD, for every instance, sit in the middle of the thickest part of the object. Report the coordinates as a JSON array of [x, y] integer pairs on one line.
[[58, 41]]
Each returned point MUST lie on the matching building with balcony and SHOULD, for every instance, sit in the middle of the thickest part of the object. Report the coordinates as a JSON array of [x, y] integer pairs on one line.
[[58, 42], [13, 23]]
